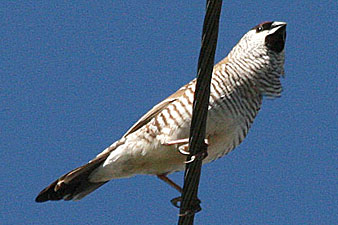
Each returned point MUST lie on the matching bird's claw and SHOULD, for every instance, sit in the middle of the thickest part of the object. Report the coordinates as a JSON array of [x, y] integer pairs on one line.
[[195, 206], [175, 201], [183, 148], [183, 145], [200, 155]]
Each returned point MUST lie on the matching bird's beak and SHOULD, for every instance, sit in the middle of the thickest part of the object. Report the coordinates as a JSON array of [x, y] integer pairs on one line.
[[278, 28], [275, 40]]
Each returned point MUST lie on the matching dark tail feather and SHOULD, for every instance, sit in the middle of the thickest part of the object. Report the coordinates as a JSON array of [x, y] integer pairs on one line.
[[73, 185]]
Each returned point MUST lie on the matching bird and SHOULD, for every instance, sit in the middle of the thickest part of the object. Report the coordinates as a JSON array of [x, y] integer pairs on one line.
[[157, 143]]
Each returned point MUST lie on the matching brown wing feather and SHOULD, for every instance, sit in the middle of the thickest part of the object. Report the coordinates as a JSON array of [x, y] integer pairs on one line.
[[220, 63], [156, 110], [162, 105]]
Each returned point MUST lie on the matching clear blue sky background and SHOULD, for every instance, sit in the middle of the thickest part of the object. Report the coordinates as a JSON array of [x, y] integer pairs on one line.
[[75, 75]]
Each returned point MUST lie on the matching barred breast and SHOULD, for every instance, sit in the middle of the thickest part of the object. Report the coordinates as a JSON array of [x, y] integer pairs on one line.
[[234, 103]]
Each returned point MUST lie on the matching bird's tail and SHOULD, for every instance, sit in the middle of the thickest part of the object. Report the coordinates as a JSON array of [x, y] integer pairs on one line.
[[73, 185]]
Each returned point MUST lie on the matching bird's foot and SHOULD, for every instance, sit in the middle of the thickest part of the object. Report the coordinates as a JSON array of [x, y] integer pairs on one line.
[[183, 148], [200, 155], [195, 206]]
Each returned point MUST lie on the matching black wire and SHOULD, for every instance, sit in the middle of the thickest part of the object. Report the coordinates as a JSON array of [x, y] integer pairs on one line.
[[189, 202]]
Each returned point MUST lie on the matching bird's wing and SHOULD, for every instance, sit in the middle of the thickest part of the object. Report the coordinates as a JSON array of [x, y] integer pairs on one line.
[[162, 105], [158, 108]]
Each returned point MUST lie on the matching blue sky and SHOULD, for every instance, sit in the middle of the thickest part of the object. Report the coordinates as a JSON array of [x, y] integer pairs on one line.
[[76, 75]]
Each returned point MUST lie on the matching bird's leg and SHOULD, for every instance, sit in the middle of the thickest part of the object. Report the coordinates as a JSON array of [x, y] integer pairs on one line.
[[177, 142], [183, 147], [170, 182], [176, 201]]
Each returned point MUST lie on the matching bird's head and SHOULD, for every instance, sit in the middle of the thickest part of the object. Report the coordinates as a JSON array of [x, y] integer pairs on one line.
[[271, 35], [262, 49]]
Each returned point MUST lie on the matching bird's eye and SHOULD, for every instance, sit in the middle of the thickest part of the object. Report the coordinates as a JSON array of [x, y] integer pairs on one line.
[[259, 29]]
